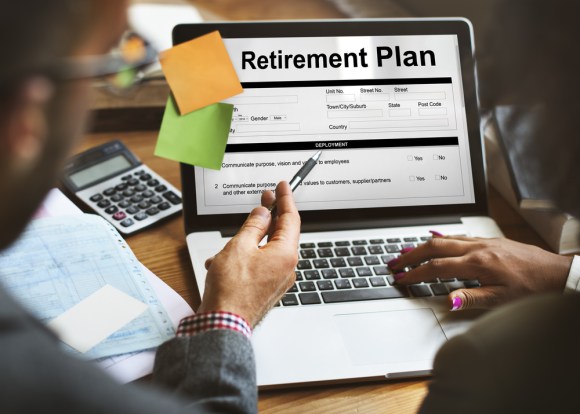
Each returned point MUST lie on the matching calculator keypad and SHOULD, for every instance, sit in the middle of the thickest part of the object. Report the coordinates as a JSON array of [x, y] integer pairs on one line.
[[134, 198]]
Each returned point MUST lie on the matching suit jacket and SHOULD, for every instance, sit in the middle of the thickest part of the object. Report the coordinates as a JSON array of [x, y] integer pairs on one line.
[[522, 358], [209, 372]]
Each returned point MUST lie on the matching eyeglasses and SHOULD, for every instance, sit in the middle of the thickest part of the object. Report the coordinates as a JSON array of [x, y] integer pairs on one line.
[[121, 69]]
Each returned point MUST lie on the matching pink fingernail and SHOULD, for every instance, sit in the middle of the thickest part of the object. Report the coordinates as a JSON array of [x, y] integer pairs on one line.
[[457, 303], [393, 262], [399, 276], [406, 250], [436, 233]]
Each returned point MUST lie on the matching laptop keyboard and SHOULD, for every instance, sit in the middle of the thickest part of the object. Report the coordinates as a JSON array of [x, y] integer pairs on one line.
[[356, 270]]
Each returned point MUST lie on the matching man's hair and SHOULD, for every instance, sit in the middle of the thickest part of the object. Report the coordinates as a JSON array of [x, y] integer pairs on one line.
[[530, 57], [34, 33]]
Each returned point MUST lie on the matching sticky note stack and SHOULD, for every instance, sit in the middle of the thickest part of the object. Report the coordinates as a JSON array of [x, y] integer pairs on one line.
[[196, 125]]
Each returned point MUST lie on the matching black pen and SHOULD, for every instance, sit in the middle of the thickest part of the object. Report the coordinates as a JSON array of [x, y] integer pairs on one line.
[[301, 174]]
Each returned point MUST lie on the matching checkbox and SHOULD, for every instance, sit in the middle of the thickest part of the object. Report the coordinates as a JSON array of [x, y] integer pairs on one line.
[[435, 157], [437, 177], [409, 158], [411, 178]]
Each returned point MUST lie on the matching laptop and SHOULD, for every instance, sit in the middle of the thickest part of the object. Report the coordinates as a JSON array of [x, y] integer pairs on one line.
[[392, 105]]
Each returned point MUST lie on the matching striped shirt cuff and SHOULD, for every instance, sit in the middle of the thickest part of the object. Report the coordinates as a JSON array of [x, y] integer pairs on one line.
[[211, 321]]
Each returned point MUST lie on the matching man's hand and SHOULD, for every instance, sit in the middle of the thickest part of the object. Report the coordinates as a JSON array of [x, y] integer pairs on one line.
[[246, 279], [506, 269]]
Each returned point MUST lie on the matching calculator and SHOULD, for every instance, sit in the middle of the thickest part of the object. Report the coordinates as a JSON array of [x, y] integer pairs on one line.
[[115, 184]]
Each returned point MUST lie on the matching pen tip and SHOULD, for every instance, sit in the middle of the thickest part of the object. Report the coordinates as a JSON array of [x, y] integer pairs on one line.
[[317, 155]]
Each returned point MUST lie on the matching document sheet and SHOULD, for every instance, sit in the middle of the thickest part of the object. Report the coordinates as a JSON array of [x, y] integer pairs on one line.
[[387, 111], [60, 261]]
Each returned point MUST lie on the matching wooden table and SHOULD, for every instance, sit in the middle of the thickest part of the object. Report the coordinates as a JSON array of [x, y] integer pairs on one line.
[[163, 250]]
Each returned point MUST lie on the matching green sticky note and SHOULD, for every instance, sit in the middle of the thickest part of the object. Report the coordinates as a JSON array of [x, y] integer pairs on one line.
[[197, 138]]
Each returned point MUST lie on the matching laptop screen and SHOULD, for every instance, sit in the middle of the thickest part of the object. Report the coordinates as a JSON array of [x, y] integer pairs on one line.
[[387, 111]]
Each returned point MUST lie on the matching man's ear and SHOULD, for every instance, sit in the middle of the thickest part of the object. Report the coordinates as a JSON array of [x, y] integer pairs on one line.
[[25, 129]]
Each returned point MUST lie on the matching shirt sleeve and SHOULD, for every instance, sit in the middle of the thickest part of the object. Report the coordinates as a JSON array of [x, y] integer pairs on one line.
[[211, 321], [573, 281]]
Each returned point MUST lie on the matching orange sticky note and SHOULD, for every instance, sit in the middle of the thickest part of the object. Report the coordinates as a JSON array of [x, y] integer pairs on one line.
[[200, 72]]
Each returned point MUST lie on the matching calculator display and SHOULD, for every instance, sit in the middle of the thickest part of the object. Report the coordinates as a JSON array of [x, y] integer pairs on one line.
[[96, 172]]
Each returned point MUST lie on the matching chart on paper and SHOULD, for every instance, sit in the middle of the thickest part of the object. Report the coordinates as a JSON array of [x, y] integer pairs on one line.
[[78, 255]]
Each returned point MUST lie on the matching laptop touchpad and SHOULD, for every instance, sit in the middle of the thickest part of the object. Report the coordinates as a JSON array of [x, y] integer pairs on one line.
[[393, 336]]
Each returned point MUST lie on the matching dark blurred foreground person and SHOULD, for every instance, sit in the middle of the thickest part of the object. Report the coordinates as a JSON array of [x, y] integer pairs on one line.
[[520, 358], [52, 51]]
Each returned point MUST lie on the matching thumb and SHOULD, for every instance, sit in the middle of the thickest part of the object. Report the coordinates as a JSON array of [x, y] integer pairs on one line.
[[255, 227], [208, 262], [476, 298]]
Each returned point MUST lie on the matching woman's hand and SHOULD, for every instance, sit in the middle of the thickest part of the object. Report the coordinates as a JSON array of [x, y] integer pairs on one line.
[[506, 269]]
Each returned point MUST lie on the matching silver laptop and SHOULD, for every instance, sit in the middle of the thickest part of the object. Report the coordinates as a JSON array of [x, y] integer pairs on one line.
[[392, 104]]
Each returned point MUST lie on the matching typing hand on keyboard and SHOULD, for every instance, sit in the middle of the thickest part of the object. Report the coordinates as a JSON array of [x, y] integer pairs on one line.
[[505, 269], [355, 270]]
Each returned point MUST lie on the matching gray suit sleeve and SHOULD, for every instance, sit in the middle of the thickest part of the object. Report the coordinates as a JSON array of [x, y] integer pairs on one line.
[[209, 372], [215, 368]]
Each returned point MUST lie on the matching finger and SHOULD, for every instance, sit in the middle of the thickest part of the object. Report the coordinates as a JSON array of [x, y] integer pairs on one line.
[[464, 238], [449, 267], [287, 226], [434, 248], [477, 298], [435, 233], [267, 198], [254, 228], [208, 262]]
